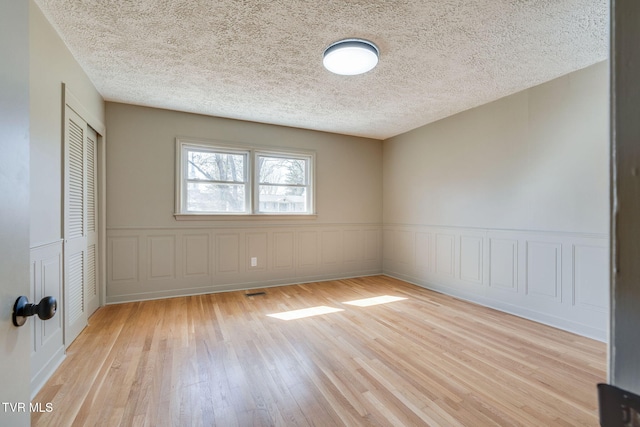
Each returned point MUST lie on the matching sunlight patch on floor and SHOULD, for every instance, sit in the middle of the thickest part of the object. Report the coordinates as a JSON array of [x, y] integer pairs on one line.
[[374, 301], [305, 312]]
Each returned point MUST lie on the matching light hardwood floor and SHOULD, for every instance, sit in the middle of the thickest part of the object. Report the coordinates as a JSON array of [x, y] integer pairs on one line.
[[219, 359]]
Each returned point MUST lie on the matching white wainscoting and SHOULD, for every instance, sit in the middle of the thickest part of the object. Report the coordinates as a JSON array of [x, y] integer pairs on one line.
[[47, 346], [560, 279], [147, 263]]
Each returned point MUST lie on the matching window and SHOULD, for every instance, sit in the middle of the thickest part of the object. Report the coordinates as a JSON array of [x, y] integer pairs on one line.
[[237, 180], [283, 183]]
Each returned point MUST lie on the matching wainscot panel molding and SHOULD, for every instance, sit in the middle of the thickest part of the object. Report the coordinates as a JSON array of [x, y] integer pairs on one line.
[[147, 263], [47, 346], [556, 278]]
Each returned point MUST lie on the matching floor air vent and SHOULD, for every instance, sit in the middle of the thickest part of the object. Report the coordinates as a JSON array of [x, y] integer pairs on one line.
[[255, 294]]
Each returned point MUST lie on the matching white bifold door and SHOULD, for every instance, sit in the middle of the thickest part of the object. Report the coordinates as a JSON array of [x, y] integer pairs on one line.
[[81, 297]]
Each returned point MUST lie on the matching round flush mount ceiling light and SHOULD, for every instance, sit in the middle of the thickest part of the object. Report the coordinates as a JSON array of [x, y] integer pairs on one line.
[[350, 57]]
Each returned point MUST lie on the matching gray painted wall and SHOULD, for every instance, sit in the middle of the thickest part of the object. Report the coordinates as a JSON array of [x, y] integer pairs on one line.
[[141, 152], [536, 160]]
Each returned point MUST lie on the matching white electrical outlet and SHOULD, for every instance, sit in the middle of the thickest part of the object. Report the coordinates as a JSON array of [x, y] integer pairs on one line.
[[254, 261]]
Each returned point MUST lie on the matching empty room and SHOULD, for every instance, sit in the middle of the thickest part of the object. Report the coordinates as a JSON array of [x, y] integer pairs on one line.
[[377, 213]]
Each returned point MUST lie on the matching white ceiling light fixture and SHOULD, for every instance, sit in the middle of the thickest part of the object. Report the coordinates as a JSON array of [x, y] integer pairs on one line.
[[349, 57]]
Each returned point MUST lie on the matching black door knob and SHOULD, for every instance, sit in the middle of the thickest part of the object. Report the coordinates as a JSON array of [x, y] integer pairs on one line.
[[22, 309]]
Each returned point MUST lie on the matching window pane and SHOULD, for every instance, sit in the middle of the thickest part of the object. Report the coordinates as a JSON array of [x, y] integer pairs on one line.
[[282, 199], [208, 197], [278, 170], [215, 166]]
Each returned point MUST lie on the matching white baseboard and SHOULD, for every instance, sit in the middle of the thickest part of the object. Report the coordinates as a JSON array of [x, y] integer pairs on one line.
[[546, 319], [147, 296]]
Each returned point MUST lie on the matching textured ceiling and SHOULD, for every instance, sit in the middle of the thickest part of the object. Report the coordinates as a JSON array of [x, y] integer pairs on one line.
[[262, 60]]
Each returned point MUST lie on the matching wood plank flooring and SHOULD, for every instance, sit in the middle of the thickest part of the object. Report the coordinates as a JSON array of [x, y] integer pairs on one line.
[[219, 359]]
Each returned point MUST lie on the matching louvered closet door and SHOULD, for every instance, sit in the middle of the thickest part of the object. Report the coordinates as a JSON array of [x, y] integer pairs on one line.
[[91, 270], [80, 241]]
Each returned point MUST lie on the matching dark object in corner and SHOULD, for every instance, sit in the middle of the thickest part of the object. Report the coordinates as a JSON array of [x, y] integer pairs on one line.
[[255, 294], [618, 408]]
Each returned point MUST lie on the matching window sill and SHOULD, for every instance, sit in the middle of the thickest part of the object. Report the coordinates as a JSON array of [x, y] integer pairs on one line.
[[242, 217]]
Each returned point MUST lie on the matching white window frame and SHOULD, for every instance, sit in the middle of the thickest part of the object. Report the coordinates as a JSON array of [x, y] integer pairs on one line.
[[309, 173], [184, 180], [251, 175]]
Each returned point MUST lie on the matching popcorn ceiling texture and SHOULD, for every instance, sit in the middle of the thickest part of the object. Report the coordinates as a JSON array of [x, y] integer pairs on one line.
[[262, 60]]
